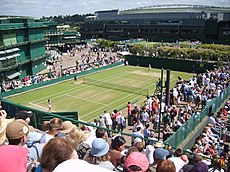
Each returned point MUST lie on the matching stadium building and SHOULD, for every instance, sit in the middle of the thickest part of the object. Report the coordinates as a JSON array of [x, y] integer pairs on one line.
[[22, 47], [161, 23]]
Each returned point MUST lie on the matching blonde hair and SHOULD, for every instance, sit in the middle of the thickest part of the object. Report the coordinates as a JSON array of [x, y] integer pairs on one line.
[[76, 137]]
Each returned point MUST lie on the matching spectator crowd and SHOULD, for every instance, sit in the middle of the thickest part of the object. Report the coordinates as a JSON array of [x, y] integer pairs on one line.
[[62, 146]]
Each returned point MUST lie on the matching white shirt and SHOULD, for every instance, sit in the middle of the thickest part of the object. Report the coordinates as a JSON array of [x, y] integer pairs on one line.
[[108, 120], [120, 119], [145, 116], [178, 162]]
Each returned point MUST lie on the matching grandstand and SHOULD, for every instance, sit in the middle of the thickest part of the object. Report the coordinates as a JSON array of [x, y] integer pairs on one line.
[[167, 23]]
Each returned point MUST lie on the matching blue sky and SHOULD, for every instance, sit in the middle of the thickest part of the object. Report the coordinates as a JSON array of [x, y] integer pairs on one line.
[[39, 8]]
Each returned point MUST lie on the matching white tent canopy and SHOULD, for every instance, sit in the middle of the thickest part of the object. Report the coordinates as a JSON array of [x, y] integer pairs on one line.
[[124, 53]]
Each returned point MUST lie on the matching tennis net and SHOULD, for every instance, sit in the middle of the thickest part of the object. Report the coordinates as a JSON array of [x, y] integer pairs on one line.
[[119, 87]]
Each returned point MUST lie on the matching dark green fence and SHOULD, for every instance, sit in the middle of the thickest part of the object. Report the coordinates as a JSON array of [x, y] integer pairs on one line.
[[173, 64], [192, 123], [60, 79]]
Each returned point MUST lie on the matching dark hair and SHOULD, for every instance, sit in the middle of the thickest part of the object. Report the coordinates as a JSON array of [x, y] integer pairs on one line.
[[100, 133], [117, 142], [138, 128], [178, 152], [14, 141]]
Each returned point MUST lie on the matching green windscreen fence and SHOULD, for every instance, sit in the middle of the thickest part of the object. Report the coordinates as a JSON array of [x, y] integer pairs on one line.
[[38, 116], [192, 123]]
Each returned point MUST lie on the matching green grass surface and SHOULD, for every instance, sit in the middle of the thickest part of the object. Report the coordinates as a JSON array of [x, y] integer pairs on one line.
[[89, 100]]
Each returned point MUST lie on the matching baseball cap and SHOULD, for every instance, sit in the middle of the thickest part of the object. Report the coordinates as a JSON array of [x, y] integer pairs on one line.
[[17, 129], [23, 114], [99, 147], [136, 159], [160, 153]]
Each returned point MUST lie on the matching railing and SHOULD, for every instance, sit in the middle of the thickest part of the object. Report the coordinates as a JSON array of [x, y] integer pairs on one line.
[[182, 133]]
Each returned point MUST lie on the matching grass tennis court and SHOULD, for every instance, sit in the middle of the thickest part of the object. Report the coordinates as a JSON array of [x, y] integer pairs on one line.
[[91, 95]]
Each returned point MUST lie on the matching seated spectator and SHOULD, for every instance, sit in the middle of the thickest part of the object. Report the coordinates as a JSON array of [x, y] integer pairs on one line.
[[136, 161], [13, 154], [33, 144], [67, 128], [73, 165], [158, 155], [166, 166], [76, 138], [151, 139], [2, 112], [117, 146], [101, 133], [177, 160], [149, 153], [55, 125], [199, 167], [140, 146], [3, 124], [56, 151], [99, 154], [16, 133], [24, 115]]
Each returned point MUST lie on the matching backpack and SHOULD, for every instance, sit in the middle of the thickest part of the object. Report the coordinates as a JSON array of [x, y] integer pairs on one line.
[[83, 148]]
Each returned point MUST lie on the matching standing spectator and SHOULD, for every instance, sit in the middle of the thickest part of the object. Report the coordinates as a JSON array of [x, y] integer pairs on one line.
[[135, 114], [114, 117], [121, 123], [138, 124], [166, 132], [108, 122], [156, 121], [144, 116], [146, 131], [129, 106], [173, 113]]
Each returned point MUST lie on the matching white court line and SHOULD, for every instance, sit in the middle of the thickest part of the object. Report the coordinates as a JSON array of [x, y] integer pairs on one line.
[[74, 89], [101, 93], [84, 99], [38, 105], [107, 105]]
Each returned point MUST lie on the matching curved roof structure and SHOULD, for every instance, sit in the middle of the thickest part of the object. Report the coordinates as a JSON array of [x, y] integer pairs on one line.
[[176, 8]]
